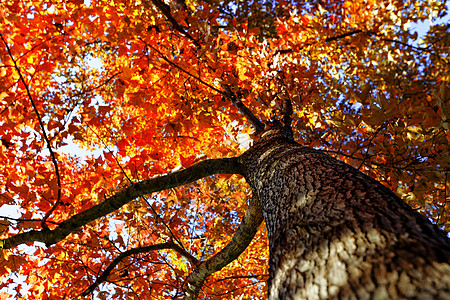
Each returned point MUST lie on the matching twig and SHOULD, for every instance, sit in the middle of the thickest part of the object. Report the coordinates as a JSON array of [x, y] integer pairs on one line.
[[343, 35], [328, 39], [443, 208], [27, 220], [162, 221], [131, 182], [346, 34], [379, 129], [407, 45]]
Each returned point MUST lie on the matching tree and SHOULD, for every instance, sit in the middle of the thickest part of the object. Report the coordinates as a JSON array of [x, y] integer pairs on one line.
[[208, 119]]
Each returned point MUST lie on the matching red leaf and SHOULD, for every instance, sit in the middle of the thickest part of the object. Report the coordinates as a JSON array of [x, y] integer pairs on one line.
[[122, 144], [187, 161], [108, 156]]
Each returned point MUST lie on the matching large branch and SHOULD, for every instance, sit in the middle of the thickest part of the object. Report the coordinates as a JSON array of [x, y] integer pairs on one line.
[[191, 174], [249, 226]]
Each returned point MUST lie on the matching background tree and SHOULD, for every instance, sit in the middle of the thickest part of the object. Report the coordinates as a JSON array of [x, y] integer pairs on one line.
[[158, 87]]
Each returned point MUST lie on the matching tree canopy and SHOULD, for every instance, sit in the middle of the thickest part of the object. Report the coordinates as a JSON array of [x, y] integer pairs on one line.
[[155, 87]]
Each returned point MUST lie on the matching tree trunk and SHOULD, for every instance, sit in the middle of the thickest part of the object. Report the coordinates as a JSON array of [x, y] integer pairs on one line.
[[335, 233]]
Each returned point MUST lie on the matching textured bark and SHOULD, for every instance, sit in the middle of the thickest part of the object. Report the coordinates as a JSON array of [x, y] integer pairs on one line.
[[335, 233]]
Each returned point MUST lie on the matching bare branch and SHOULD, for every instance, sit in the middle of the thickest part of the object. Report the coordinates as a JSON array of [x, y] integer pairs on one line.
[[168, 245], [202, 169], [249, 226]]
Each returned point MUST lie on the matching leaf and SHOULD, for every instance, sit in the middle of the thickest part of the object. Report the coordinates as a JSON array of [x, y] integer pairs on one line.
[[254, 31], [122, 145], [127, 73], [119, 227], [108, 156], [187, 161]]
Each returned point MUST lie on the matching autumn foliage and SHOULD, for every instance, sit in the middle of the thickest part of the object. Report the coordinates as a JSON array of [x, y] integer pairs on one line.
[[151, 87]]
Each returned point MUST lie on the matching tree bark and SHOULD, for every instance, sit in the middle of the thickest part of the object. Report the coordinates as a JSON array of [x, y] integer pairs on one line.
[[335, 233]]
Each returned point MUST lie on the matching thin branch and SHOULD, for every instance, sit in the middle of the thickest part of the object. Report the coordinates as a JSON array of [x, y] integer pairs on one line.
[[113, 155], [244, 110], [181, 69], [44, 133], [241, 277], [200, 170], [379, 129], [27, 220], [343, 35], [445, 200], [346, 34], [328, 39], [131, 182], [98, 86], [38, 45], [165, 9], [249, 226], [173, 236], [418, 49], [392, 166], [223, 295], [168, 245]]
